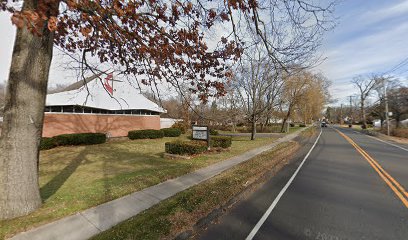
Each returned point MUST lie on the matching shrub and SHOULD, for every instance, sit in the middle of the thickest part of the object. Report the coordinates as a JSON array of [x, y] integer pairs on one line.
[[302, 125], [240, 124], [144, 134], [214, 132], [47, 143], [400, 132], [171, 132], [291, 124], [80, 139], [368, 132], [221, 141], [185, 147], [181, 126]]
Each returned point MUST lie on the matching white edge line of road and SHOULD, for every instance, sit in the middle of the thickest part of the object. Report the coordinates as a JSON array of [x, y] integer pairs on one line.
[[275, 202], [388, 143]]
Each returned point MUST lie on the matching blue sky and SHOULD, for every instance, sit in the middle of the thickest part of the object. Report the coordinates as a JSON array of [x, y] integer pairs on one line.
[[371, 37]]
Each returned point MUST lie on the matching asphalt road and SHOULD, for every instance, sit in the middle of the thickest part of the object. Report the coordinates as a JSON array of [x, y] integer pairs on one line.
[[337, 194]]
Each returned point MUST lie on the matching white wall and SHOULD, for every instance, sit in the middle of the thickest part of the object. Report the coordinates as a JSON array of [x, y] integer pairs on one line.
[[168, 122]]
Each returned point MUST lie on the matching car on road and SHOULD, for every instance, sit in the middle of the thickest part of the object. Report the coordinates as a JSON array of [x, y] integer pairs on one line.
[[324, 124]]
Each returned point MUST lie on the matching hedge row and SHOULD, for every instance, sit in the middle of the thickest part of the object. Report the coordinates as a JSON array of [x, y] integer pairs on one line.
[[80, 139], [185, 147], [143, 134], [152, 134], [72, 139], [47, 143], [214, 132], [195, 147], [221, 141], [171, 132]]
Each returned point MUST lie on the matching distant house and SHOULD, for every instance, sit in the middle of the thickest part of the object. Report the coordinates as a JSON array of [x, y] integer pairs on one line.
[[107, 106]]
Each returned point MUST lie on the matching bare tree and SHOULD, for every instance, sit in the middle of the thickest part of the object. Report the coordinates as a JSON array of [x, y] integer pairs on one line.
[[255, 81], [365, 87], [169, 46], [153, 40], [378, 108], [229, 111], [398, 103]]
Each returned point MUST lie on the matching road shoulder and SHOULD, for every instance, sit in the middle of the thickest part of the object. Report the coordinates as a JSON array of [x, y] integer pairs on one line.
[[229, 225]]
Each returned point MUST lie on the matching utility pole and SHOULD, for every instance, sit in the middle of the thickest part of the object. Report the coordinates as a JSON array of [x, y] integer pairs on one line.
[[351, 113], [387, 119], [341, 114]]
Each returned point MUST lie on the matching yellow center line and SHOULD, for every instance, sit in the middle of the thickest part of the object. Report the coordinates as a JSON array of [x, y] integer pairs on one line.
[[401, 188], [388, 179]]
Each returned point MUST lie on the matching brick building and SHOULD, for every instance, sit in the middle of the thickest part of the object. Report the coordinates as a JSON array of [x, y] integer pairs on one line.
[[108, 106]]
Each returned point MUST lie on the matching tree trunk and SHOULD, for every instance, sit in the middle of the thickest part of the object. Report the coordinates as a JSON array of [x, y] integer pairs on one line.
[[381, 123], [253, 127], [23, 121], [283, 125], [266, 124], [363, 114], [397, 120], [285, 119]]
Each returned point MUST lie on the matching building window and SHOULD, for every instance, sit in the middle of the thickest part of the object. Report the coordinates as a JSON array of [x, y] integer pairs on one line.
[[89, 110], [78, 109], [56, 109]]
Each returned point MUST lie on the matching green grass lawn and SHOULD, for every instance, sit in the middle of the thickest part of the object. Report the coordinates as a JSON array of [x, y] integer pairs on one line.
[[294, 129], [77, 178], [180, 212]]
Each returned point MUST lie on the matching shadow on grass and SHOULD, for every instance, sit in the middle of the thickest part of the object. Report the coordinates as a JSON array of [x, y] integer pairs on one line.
[[56, 182]]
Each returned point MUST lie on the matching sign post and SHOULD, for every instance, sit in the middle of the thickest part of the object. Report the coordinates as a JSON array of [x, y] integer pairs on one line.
[[201, 133]]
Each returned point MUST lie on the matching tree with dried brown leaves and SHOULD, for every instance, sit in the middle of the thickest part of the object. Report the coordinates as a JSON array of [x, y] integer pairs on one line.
[[155, 40]]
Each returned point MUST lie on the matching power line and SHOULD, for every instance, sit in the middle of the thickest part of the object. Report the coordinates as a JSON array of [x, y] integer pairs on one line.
[[398, 66]]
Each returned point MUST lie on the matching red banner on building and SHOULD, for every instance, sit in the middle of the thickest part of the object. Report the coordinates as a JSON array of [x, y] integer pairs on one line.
[[109, 86]]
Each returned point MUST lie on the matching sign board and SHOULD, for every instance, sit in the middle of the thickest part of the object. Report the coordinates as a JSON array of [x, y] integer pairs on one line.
[[200, 133]]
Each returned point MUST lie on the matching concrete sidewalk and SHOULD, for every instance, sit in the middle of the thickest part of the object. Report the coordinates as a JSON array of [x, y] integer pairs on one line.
[[258, 135], [90, 222]]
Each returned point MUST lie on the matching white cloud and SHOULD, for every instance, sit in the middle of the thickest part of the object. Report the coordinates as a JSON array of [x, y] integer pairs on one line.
[[393, 11], [372, 53]]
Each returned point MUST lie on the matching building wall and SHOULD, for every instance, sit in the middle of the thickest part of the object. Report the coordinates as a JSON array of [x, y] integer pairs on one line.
[[168, 122], [113, 125]]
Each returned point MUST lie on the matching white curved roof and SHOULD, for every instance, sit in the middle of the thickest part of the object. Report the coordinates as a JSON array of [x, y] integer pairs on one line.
[[124, 97]]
